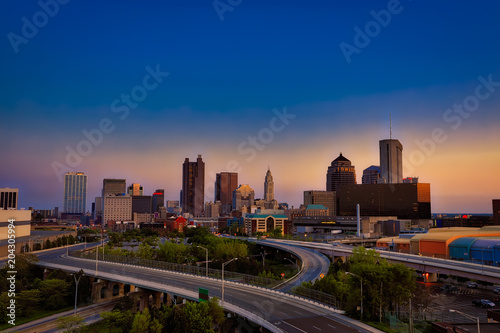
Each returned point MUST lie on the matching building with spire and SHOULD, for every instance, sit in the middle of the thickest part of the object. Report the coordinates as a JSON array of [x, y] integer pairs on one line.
[[340, 172], [269, 201]]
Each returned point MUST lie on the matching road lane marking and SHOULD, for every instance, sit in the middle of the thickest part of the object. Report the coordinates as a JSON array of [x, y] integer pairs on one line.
[[334, 327], [294, 327], [317, 328]]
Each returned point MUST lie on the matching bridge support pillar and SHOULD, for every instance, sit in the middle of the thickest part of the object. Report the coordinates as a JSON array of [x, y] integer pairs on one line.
[[167, 299], [432, 277], [157, 299], [46, 273]]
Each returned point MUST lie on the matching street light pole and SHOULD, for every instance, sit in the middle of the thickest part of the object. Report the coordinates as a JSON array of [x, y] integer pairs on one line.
[[80, 274], [470, 317], [206, 259], [294, 263], [361, 279], [224, 264]]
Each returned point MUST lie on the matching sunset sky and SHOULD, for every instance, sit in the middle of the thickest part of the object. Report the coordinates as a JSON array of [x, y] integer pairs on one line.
[[207, 80]]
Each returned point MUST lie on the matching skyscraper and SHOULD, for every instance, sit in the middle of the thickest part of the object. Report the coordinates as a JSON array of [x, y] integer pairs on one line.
[[193, 186], [8, 198], [75, 192], [114, 187], [371, 175], [225, 184], [340, 172], [325, 198], [391, 161], [135, 189], [244, 195], [496, 211], [158, 200], [268, 187]]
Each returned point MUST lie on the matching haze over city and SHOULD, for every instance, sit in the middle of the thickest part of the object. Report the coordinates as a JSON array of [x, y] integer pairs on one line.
[[230, 76]]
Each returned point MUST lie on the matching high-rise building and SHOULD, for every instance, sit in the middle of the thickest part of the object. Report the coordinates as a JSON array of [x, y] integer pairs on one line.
[[158, 200], [8, 198], [225, 184], [406, 201], [496, 211], [325, 198], [244, 195], [371, 175], [141, 204], [135, 189], [193, 186], [117, 208], [75, 192], [340, 172], [212, 209], [114, 187], [391, 161], [268, 187]]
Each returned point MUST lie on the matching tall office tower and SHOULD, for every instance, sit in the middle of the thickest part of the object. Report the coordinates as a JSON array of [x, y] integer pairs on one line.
[[141, 204], [496, 211], [325, 198], [158, 200], [114, 187], [268, 187], [193, 186], [391, 161], [244, 195], [135, 189], [410, 180], [371, 175], [98, 210], [340, 172], [8, 198], [117, 208], [75, 192], [225, 184]]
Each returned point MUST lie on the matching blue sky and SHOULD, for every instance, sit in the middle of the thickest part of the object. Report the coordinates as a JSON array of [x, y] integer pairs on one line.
[[226, 77]]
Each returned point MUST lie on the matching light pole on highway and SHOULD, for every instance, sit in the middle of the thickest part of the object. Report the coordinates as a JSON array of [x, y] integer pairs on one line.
[[361, 279], [79, 274], [470, 317], [206, 259], [224, 264], [294, 263]]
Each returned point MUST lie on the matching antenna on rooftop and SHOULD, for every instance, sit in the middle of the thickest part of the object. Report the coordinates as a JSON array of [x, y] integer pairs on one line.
[[390, 126]]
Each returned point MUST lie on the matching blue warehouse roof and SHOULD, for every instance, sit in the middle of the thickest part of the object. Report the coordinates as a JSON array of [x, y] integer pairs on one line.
[[463, 242], [486, 243]]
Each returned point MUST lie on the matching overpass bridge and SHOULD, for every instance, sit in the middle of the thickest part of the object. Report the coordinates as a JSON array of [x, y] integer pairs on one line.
[[429, 266], [275, 310]]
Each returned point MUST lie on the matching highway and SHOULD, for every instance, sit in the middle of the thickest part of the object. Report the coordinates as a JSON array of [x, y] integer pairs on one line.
[[277, 311], [422, 263]]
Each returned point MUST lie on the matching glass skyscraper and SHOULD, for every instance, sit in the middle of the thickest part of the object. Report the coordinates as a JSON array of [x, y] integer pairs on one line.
[[75, 192]]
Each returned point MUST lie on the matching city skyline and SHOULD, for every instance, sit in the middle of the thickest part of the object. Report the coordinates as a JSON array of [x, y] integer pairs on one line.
[[265, 84]]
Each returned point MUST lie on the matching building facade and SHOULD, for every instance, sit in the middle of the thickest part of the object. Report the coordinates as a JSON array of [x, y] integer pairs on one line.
[[371, 175], [157, 200], [135, 189], [117, 208], [266, 221], [340, 172], [75, 193], [496, 211], [114, 187], [225, 184], [244, 195], [193, 187], [325, 198], [391, 161], [8, 198], [405, 201]]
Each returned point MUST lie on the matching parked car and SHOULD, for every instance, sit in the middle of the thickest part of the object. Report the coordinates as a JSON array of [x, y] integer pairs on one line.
[[477, 302], [472, 285], [487, 303], [496, 291]]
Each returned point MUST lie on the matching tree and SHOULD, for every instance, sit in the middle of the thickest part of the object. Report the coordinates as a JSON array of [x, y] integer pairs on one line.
[[71, 324], [216, 312], [54, 293], [27, 301], [198, 317], [117, 318], [144, 324]]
